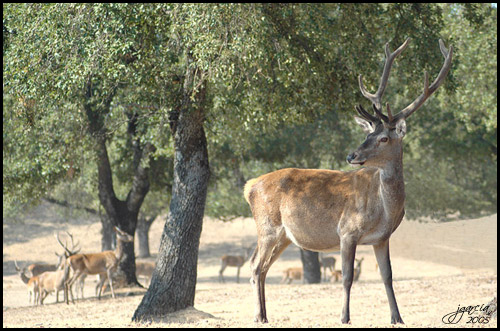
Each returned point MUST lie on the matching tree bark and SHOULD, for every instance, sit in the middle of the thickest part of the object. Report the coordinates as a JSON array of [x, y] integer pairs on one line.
[[122, 214], [174, 280], [142, 232], [310, 265]]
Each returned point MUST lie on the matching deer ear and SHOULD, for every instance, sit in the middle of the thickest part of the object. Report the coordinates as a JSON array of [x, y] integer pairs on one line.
[[364, 124], [401, 128]]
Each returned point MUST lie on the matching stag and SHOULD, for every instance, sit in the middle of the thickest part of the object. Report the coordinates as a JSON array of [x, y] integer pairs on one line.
[[327, 210], [102, 263]]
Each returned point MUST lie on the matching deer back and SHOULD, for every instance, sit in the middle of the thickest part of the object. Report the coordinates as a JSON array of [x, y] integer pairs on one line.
[[313, 204]]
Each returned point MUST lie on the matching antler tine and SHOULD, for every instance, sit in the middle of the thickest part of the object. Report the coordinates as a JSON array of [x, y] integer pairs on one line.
[[73, 245], [389, 113], [380, 114], [429, 90], [366, 115], [376, 98], [70, 252]]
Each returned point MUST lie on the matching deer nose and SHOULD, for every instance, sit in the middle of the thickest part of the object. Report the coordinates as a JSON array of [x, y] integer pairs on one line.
[[351, 157]]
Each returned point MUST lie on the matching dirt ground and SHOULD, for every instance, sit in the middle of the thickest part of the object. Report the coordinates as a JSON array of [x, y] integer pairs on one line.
[[437, 268]]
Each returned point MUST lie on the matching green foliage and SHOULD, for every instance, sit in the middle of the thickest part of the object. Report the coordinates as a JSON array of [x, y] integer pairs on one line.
[[281, 84]]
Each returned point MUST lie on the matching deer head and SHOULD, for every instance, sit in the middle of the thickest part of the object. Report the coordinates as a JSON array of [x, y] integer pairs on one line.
[[385, 132]]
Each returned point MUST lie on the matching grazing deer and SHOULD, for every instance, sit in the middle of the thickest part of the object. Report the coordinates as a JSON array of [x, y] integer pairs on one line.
[[291, 274], [337, 274], [233, 261], [101, 264], [325, 210], [145, 268], [328, 263], [31, 283]]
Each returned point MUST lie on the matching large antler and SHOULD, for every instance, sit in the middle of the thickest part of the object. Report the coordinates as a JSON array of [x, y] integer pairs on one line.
[[71, 251], [429, 90], [376, 98]]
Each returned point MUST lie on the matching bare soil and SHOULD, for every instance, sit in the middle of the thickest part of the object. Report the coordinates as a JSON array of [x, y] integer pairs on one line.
[[437, 267]]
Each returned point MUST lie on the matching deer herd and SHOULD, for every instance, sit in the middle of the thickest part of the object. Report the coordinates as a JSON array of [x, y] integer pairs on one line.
[[74, 267], [318, 210]]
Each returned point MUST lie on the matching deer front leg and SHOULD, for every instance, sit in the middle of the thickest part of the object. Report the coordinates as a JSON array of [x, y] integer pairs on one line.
[[384, 262], [110, 283], [348, 252]]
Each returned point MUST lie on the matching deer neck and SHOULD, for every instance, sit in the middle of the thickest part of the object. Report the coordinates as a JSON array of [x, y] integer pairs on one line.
[[392, 187], [119, 251], [24, 278]]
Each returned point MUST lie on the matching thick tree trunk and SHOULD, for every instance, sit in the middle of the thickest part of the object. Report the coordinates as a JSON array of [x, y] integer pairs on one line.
[[174, 280], [121, 213], [310, 265]]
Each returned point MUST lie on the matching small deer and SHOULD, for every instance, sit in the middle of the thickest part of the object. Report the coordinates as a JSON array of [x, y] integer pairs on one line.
[[31, 283], [145, 268], [36, 269], [233, 261], [291, 274], [51, 281], [328, 263], [337, 274]]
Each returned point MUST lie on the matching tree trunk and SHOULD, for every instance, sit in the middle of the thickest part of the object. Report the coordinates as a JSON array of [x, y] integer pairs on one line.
[[108, 237], [310, 265], [142, 232], [122, 214], [174, 280]]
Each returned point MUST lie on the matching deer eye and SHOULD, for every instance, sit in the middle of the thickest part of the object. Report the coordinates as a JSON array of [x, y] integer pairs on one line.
[[384, 139]]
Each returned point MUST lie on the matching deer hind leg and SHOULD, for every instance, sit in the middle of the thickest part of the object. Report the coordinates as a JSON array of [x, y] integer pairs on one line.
[[101, 287], [238, 275], [221, 277], [269, 248], [384, 262], [348, 252]]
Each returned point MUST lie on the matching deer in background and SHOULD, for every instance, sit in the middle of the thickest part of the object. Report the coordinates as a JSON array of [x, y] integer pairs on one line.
[[36, 269], [145, 268], [31, 283], [337, 274], [101, 264], [233, 261], [328, 263], [51, 281], [326, 210], [291, 274]]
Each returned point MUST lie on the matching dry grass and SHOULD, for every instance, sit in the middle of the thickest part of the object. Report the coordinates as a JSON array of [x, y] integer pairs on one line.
[[436, 267]]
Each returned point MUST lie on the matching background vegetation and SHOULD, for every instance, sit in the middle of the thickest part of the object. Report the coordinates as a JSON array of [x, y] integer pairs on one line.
[[281, 86]]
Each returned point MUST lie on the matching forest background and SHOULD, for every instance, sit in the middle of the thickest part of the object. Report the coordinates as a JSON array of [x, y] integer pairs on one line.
[[106, 106]]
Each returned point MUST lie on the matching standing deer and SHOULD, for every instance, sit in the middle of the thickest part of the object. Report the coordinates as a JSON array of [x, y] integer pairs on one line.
[[31, 283], [51, 281], [101, 264], [291, 274], [328, 263], [145, 268], [325, 210], [233, 261], [337, 274]]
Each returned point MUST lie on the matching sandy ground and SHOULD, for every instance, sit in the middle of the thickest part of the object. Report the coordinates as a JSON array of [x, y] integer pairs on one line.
[[436, 269]]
